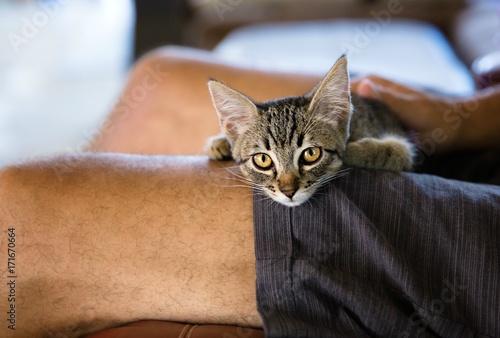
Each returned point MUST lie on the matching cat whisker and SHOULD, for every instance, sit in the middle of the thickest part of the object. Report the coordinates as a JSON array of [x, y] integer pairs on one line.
[[327, 179], [264, 197], [237, 182], [340, 173], [261, 192], [233, 167], [274, 203], [234, 174], [324, 180], [235, 186], [310, 200], [240, 177]]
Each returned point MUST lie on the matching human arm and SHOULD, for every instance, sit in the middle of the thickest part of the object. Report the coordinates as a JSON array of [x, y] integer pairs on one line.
[[448, 123]]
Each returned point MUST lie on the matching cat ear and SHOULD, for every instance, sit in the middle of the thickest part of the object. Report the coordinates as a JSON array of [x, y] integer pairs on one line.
[[236, 111], [331, 99]]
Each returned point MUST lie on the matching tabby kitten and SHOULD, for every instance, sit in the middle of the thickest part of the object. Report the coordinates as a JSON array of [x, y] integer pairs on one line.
[[289, 147]]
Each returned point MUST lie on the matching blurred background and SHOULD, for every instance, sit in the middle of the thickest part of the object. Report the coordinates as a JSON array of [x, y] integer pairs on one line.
[[63, 63]]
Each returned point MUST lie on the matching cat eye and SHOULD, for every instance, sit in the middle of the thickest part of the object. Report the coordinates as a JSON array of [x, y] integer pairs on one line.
[[262, 161], [311, 155]]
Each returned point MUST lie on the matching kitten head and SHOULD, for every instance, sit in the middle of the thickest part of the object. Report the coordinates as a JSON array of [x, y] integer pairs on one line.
[[291, 146]]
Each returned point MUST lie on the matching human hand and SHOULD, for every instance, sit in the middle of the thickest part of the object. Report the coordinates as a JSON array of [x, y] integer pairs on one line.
[[437, 120]]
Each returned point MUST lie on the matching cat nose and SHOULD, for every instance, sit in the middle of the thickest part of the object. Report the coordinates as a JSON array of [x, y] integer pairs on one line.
[[288, 185], [288, 193]]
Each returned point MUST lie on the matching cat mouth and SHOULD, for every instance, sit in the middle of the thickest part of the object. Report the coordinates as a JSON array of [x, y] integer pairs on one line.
[[291, 200]]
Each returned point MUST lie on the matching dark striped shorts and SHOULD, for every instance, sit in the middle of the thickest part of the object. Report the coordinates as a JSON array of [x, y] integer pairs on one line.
[[379, 254]]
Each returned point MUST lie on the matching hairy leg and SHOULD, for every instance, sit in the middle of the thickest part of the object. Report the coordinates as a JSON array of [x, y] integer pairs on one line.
[[166, 108], [108, 239]]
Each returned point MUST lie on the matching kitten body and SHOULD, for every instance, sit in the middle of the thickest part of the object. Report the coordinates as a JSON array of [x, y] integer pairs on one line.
[[291, 146]]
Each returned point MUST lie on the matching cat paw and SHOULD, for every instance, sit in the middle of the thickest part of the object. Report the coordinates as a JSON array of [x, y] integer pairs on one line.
[[389, 153], [219, 148]]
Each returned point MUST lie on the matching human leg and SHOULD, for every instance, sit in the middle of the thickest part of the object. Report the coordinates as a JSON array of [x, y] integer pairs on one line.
[[166, 108], [108, 239], [87, 263]]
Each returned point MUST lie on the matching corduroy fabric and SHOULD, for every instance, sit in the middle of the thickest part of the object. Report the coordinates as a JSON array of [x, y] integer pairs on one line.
[[381, 254]]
